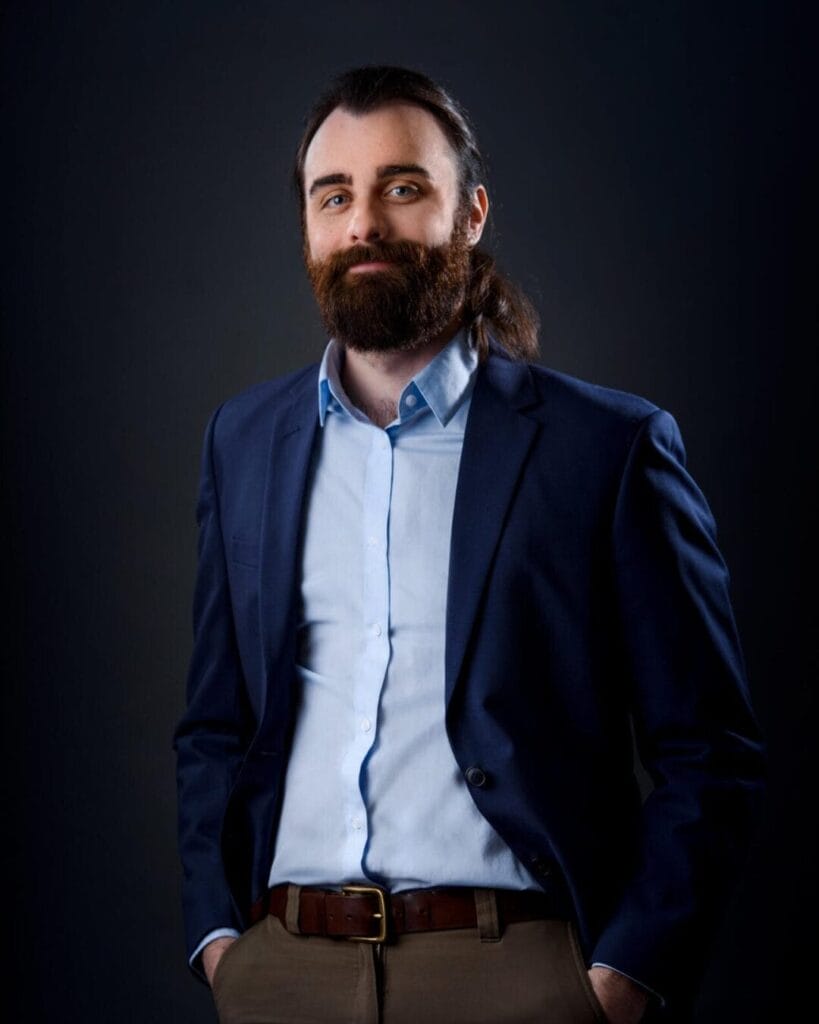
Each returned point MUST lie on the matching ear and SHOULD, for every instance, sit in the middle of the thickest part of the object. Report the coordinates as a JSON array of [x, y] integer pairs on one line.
[[478, 212]]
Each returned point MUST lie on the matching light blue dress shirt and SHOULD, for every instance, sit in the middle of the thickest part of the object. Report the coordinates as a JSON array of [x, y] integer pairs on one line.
[[373, 790]]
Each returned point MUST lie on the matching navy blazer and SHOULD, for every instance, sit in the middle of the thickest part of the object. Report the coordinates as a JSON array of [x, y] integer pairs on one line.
[[587, 605]]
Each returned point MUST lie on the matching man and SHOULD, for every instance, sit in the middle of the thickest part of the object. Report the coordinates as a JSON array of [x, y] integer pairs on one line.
[[440, 589]]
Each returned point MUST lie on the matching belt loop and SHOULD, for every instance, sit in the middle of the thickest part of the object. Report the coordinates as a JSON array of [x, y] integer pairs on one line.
[[486, 913], [291, 913]]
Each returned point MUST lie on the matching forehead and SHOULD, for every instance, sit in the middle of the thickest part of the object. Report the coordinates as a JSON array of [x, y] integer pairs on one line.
[[397, 133]]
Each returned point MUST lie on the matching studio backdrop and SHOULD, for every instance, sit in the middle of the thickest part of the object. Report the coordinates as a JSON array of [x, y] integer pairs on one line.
[[647, 165]]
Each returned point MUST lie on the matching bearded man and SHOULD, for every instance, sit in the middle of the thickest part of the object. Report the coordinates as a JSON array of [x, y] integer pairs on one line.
[[441, 592]]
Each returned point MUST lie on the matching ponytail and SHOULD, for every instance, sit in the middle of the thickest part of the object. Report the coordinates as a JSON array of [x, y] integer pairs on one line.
[[497, 306]]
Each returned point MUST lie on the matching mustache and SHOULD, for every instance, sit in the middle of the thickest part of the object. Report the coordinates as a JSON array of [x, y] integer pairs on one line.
[[403, 252]]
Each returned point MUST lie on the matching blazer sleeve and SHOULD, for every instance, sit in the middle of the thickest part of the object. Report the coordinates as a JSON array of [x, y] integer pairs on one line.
[[695, 730], [212, 736]]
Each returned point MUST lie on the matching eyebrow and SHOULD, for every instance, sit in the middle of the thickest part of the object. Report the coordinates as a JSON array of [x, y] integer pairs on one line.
[[330, 179], [391, 169], [386, 171]]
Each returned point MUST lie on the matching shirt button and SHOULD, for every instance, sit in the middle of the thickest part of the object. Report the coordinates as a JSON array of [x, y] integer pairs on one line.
[[383, 443], [410, 400], [366, 725], [372, 541], [476, 776], [376, 629], [356, 823]]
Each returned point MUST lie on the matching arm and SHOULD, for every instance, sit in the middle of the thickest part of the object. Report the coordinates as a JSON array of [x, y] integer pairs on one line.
[[212, 736], [695, 731]]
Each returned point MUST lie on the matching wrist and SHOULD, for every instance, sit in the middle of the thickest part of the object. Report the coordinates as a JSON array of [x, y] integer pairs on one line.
[[213, 953], [622, 999]]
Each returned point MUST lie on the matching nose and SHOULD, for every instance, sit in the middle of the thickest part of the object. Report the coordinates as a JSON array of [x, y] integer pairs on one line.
[[367, 223]]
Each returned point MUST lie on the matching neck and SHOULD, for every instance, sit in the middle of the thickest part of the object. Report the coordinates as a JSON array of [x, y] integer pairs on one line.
[[374, 380]]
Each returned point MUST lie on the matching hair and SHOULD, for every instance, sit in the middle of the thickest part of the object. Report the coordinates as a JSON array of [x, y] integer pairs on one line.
[[494, 305]]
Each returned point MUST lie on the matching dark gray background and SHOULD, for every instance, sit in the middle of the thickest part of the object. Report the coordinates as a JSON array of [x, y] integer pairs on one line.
[[648, 163]]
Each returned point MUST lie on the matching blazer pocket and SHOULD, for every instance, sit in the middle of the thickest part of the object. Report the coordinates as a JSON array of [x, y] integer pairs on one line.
[[244, 552]]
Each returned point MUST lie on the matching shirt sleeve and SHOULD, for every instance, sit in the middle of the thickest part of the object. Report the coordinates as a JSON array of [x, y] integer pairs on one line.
[[217, 933]]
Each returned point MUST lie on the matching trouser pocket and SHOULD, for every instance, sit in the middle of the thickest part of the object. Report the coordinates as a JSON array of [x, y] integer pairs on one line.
[[583, 975]]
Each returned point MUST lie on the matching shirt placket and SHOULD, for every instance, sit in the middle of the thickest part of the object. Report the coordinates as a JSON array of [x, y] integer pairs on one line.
[[375, 647]]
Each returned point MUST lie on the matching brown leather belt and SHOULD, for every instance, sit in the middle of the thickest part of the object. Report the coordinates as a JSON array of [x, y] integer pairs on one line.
[[370, 914]]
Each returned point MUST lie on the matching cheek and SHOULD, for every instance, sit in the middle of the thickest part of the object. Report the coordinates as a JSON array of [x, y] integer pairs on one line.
[[320, 242], [430, 227], [323, 235]]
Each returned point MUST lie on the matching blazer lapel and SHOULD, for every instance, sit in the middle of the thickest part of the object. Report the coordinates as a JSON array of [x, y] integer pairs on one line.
[[497, 440], [288, 464]]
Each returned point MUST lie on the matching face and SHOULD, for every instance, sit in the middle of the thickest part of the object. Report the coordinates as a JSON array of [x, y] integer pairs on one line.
[[387, 240]]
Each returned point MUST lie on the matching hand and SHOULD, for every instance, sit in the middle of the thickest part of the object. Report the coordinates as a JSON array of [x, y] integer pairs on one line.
[[212, 954], [623, 1000]]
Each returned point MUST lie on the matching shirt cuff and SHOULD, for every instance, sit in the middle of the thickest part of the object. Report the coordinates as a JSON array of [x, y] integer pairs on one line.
[[217, 933], [635, 980]]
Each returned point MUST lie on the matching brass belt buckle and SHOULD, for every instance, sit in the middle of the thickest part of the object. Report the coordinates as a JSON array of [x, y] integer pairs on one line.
[[380, 915]]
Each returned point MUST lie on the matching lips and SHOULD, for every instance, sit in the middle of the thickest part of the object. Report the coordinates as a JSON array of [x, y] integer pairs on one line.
[[370, 266]]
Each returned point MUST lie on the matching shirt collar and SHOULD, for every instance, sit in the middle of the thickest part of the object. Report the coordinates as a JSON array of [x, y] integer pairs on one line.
[[441, 384]]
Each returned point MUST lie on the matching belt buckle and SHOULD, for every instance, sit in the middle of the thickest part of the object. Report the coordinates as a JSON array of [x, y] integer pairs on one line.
[[380, 915]]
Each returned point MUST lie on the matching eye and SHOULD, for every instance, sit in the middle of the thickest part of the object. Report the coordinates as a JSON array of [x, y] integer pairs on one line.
[[334, 202], [404, 191]]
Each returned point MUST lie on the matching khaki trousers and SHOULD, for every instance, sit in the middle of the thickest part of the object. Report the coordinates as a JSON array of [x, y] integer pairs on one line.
[[532, 972]]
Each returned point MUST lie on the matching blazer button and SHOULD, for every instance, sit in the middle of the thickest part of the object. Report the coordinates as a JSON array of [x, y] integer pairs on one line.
[[476, 776], [541, 865]]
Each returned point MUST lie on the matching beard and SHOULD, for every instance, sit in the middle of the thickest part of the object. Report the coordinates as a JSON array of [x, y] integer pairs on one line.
[[396, 309]]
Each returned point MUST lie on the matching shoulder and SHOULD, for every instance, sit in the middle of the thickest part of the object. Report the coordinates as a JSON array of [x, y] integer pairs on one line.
[[586, 421], [551, 393], [572, 397], [619, 421], [576, 410], [257, 408]]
